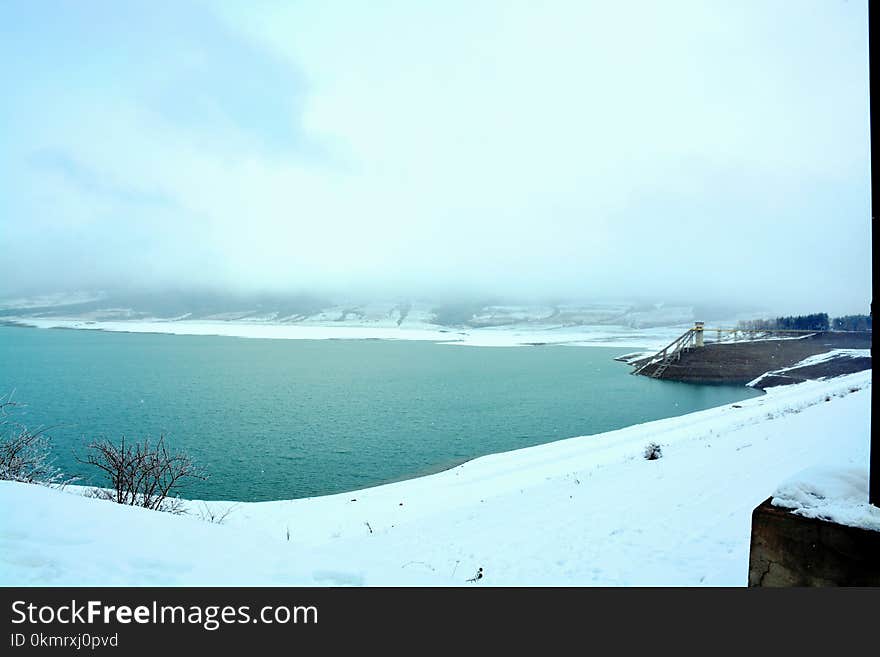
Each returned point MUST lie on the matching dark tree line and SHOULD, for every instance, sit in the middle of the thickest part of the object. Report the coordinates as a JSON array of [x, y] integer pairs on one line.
[[813, 322], [852, 323]]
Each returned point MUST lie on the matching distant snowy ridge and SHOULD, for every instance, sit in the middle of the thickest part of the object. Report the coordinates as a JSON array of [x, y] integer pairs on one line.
[[58, 300], [508, 336], [310, 311]]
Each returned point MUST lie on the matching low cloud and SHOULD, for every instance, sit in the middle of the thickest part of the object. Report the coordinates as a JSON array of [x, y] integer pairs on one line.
[[685, 150]]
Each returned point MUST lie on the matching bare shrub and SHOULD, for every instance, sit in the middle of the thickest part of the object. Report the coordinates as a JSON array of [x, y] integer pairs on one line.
[[141, 474], [214, 515], [653, 451], [26, 454]]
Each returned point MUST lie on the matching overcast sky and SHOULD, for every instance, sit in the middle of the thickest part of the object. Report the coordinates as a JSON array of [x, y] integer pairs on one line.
[[715, 148]]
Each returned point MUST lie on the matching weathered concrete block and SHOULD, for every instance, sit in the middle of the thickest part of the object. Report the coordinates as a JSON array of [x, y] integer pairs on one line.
[[790, 550]]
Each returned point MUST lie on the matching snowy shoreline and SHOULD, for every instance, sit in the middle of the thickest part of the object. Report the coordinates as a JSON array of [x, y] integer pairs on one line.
[[510, 336], [570, 512]]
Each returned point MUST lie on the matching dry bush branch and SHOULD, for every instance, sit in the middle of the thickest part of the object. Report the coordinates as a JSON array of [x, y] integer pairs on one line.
[[141, 473], [26, 454]]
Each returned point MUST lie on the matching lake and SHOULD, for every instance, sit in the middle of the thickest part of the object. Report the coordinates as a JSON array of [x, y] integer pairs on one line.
[[281, 419]]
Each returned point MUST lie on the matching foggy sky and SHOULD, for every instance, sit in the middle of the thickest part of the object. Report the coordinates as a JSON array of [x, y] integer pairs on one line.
[[712, 150]]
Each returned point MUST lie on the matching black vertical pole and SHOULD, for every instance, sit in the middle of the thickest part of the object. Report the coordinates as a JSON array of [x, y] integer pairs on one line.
[[874, 465]]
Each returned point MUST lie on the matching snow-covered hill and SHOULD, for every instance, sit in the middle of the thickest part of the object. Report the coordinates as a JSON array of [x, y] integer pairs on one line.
[[313, 311], [486, 323], [581, 511]]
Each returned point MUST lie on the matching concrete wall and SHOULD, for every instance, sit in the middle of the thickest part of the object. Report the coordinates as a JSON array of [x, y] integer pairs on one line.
[[789, 550]]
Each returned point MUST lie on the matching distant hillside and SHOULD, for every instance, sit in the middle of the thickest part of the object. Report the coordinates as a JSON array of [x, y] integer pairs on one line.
[[310, 309]]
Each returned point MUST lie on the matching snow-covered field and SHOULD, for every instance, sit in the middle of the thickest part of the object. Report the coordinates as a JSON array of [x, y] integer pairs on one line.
[[507, 336], [581, 511]]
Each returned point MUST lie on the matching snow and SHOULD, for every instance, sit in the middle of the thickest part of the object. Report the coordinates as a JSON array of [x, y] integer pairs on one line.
[[836, 494], [581, 511], [834, 354], [49, 300], [662, 315], [612, 324], [815, 359], [634, 356], [585, 335], [768, 337]]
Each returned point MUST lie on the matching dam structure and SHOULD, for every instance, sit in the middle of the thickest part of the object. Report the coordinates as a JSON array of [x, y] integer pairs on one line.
[[734, 355]]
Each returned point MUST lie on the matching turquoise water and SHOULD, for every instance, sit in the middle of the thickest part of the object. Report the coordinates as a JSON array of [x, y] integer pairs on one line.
[[280, 419]]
